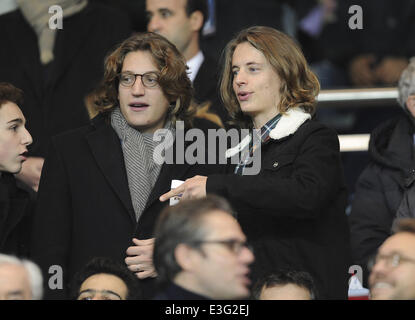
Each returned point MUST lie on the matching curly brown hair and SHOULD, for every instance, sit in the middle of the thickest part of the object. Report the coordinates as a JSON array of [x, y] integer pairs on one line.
[[173, 78], [9, 93], [299, 85]]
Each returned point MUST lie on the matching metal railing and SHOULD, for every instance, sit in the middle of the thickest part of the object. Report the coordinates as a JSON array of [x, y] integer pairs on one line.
[[358, 97], [354, 98]]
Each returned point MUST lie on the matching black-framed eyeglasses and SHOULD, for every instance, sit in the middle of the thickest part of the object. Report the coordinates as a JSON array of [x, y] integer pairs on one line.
[[149, 79], [233, 245], [391, 260]]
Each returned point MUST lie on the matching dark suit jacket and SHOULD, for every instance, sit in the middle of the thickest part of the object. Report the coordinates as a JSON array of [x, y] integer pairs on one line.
[[84, 206], [206, 80], [293, 211], [54, 95], [206, 85], [15, 217], [175, 292]]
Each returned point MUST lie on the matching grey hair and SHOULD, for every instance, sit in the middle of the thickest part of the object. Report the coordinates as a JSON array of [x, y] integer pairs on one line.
[[35, 275], [406, 85]]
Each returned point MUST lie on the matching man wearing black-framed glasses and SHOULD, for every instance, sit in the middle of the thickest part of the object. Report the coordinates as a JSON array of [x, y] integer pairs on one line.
[[148, 79], [110, 173], [200, 252], [393, 268]]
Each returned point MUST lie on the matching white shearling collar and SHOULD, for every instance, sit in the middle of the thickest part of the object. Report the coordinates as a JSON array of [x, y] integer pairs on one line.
[[287, 125]]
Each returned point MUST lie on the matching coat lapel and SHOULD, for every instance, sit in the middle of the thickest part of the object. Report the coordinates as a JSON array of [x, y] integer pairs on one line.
[[168, 172], [106, 149], [112, 165], [288, 125]]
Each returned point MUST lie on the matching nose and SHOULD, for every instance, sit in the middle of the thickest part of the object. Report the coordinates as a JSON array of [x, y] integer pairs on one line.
[[239, 78], [138, 88], [26, 137], [154, 24], [247, 255], [377, 273], [380, 269]]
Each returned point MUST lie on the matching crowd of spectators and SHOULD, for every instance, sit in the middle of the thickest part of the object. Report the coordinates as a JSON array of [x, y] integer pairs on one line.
[[82, 189]]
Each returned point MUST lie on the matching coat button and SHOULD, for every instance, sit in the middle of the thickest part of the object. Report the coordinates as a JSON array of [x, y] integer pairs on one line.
[[275, 164]]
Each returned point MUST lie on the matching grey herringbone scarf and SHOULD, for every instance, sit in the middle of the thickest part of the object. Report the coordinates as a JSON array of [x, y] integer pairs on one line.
[[142, 170]]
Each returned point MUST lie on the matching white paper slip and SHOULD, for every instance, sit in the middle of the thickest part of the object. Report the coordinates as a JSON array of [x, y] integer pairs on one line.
[[176, 199]]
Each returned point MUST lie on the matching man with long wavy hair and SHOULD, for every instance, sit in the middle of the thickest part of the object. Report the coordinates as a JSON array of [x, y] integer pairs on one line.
[[101, 183]]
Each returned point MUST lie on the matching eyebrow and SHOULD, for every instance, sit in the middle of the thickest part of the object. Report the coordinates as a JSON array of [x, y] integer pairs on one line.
[[133, 73], [161, 10], [15, 293], [248, 64], [391, 253], [17, 120], [101, 291]]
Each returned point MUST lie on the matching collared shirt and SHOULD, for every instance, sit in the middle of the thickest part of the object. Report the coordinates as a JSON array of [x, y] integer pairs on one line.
[[264, 138], [194, 65]]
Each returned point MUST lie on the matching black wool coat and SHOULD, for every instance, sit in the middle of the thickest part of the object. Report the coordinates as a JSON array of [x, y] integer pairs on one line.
[[84, 206], [381, 187], [293, 211], [16, 210]]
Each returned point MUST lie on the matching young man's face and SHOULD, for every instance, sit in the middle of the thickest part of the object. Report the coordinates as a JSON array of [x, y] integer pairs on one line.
[[169, 18], [103, 286], [144, 108], [14, 138], [255, 83]]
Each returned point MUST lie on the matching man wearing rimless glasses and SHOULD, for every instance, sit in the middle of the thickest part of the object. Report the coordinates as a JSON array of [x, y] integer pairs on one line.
[[200, 252], [393, 268]]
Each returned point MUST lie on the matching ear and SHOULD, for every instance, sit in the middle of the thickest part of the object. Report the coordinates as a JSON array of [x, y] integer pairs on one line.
[[185, 256], [196, 21]]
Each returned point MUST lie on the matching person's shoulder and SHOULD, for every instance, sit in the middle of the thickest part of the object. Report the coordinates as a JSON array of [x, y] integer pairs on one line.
[[315, 125], [107, 17], [209, 60], [312, 126], [106, 11], [316, 133], [204, 124], [12, 15], [386, 127], [100, 121]]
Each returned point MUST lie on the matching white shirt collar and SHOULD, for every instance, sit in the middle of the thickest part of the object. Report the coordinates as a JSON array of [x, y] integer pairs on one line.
[[194, 65], [7, 6]]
